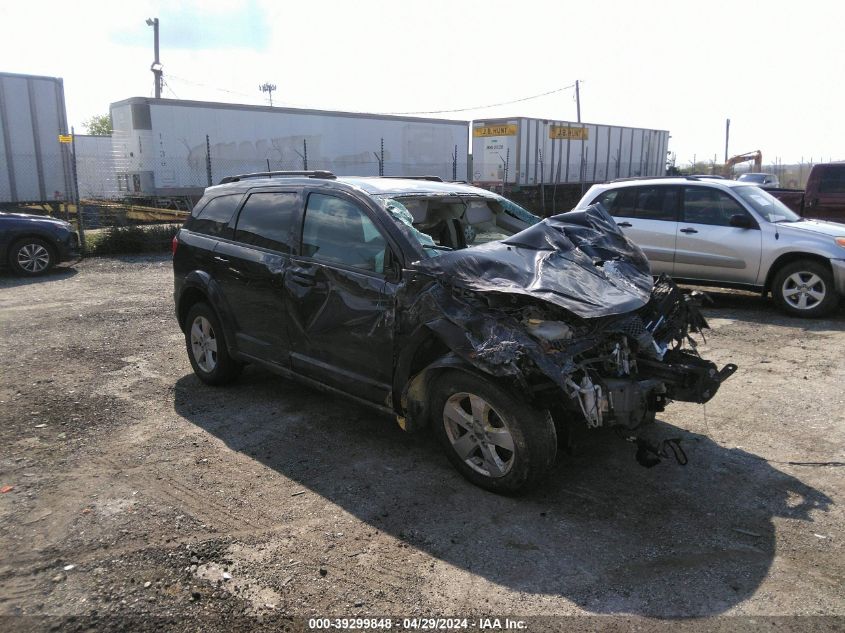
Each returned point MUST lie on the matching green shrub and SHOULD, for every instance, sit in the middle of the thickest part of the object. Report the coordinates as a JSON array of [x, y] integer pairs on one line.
[[128, 240]]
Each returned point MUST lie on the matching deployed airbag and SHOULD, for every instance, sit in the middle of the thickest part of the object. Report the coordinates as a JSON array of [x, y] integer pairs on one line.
[[579, 261]]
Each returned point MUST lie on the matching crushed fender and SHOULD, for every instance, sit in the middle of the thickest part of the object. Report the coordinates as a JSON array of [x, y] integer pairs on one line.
[[569, 311]]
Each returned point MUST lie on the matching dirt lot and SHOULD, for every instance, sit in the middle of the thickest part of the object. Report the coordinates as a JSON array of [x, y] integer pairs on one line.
[[183, 506]]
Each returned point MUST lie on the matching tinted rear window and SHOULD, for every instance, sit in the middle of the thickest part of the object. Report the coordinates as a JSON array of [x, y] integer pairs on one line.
[[213, 218], [644, 203], [266, 220]]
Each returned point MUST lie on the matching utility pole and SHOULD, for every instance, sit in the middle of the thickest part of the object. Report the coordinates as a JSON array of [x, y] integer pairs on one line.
[[268, 88], [727, 138], [156, 65], [578, 100], [578, 116]]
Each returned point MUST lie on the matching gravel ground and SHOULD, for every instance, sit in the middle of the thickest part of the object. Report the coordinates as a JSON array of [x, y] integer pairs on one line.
[[141, 498]]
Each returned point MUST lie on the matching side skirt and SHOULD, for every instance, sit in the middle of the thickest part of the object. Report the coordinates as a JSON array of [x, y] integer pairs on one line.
[[316, 384]]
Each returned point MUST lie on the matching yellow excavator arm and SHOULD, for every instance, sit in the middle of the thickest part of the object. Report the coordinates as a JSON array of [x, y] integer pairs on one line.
[[756, 156]]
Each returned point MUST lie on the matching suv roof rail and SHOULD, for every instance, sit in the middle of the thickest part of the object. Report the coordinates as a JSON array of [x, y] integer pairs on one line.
[[273, 174], [431, 178], [653, 178]]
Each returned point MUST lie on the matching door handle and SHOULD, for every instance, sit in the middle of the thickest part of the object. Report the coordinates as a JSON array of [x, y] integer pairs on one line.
[[303, 278], [624, 224], [688, 230], [224, 260]]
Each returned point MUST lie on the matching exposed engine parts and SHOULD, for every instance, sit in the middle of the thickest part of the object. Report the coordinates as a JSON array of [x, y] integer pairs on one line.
[[570, 312]]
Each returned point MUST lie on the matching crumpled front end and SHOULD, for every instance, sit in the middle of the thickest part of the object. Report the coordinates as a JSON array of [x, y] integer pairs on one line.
[[614, 371], [582, 327]]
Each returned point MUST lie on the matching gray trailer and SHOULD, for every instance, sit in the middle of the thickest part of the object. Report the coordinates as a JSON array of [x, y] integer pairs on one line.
[[34, 166], [530, 152], [169, 147]]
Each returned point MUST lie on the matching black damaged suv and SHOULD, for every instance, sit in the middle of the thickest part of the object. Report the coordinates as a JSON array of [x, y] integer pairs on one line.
[[442, 304]]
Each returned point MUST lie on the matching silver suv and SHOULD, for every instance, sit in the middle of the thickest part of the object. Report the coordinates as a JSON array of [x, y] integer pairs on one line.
[[731, 234]]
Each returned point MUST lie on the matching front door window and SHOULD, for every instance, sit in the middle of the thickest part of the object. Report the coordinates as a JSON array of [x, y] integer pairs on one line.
[[338, 232]]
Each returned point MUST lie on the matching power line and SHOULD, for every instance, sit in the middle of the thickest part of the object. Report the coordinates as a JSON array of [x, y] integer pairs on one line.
[[492, 105], [482, 107], [167, 85], [201, 85]]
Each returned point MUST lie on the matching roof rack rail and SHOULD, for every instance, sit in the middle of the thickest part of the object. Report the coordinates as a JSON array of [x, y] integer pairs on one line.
[[431, 178], [651, 178], [273, 174]]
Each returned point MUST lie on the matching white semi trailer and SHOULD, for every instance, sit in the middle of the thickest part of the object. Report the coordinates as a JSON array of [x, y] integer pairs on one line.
[[529, 152], [95, 167], [34, 166], [173, 147]]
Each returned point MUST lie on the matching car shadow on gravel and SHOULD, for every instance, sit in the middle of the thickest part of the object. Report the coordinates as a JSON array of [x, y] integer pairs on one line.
[[10, 280], [603, 532]]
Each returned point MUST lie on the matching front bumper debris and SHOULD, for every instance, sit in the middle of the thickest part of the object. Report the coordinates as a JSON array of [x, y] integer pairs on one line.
[[568, 313]]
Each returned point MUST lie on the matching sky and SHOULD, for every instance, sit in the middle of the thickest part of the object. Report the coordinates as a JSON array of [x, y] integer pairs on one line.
[[776, 68]]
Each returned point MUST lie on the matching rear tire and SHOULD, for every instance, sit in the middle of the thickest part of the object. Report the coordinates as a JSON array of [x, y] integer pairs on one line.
[[31, 257], [494, 439], [206, 345], [805, 289]]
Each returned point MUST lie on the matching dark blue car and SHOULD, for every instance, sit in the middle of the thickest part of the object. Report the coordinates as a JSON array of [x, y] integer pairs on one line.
[[32, 244]]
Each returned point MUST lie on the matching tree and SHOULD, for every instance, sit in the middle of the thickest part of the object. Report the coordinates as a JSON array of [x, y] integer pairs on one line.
[[98, 125]]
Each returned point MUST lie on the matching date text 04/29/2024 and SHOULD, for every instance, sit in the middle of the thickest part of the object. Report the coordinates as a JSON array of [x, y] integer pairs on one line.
[[417, 624]]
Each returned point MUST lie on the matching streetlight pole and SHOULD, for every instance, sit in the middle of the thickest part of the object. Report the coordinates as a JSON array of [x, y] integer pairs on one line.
[[268, 88], [156, 65]]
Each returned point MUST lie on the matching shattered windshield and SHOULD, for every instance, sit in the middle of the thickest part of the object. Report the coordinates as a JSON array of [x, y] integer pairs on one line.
[[512, 208], [455, 221], [400, 212]]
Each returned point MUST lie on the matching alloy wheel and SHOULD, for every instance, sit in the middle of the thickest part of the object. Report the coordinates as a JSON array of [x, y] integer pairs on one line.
[[478, 434], [204, 344], [803, 290], [33, 258]]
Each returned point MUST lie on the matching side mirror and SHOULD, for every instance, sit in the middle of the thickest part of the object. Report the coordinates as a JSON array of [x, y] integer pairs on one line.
[[741, 221]]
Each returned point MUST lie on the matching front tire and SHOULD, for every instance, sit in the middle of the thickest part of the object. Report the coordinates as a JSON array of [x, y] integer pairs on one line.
[[494, 439], [805, 289], [31, 257], [206, 345]]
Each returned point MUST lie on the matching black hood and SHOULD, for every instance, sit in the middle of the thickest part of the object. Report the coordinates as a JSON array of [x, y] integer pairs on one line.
[[579, 261]]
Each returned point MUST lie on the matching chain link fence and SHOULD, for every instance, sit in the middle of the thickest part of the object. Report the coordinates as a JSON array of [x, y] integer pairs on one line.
[[790, 175], [120, 191]]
